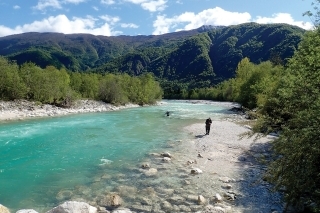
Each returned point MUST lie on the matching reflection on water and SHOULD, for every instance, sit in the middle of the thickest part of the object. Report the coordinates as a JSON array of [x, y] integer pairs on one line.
[[87, 157]]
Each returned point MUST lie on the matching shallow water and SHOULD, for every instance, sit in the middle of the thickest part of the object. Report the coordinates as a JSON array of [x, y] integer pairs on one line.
[[44, 162]]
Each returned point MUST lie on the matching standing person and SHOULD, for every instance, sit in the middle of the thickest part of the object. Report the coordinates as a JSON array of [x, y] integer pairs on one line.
[[208, 125]]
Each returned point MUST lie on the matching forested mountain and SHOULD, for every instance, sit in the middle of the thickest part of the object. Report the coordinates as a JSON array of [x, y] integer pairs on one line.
[[78, 52], [196, 58]]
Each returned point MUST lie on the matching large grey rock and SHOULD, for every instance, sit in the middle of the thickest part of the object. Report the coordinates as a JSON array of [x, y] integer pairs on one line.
[[4, 209], [166, 154], [166, 159], [122, 210], [196, 171], [218, 198], [26, 211], [201, 200], [73, 207]]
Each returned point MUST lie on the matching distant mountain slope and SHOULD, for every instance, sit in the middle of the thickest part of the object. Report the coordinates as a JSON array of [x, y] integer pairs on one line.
[[212, 56], [199, 57], [80, 51], [256, 41]]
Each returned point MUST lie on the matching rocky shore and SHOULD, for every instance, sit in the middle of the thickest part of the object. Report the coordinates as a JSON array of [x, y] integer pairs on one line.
[[21, 109], [215, 173]]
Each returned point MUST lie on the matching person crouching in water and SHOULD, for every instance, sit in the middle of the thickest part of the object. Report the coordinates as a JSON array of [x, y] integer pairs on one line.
[[208, 125]]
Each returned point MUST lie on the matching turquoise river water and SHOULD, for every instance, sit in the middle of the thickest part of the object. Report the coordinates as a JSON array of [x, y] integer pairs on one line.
[[46, 161]]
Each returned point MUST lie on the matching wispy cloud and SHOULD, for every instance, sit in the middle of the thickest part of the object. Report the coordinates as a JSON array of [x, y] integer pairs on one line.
[[129, 25], [110, 19], [43, 4], [74, 1], [16, 7], [108, 2], [56, 4], [95, 8], [150, 5]]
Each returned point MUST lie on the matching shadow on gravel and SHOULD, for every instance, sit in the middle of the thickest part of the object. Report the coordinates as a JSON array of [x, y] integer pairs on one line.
[[200, 136], [256, 195]]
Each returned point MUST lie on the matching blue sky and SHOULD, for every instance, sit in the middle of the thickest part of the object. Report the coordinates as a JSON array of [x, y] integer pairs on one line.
[[143, 17]]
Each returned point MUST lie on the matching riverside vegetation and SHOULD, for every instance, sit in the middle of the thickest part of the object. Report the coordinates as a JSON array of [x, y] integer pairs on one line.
[[62, 88], [285, 96]]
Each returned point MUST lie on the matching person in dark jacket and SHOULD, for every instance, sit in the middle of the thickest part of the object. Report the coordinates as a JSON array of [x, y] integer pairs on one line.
[[208, 125]]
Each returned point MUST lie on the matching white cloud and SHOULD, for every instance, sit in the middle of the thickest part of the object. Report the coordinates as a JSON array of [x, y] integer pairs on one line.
[[108, 2], [283, 18], [154, 6], [217, 16], [95, 8], [190, 20], [62, 24], [16, 7], [150, 5], [43, 4], [129, 25]]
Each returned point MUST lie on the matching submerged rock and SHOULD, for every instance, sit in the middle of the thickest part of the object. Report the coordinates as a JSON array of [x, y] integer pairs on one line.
[[64, 195], [111, 200]]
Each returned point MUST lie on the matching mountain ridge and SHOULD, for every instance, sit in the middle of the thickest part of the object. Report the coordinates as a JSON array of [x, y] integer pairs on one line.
[[200, 57]]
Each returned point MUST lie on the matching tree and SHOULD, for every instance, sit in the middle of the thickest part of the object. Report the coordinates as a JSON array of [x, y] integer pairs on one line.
[[90, 85], [150, 89], [110, 90], [11, 85], [315, 15], [293, 109]]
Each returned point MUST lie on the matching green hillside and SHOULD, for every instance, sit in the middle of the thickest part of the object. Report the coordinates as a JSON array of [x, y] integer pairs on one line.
[[198, 58]]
